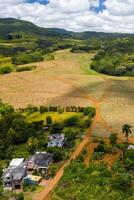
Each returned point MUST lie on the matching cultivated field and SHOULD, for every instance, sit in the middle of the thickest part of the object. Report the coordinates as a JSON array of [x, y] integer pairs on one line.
[[68, 80]]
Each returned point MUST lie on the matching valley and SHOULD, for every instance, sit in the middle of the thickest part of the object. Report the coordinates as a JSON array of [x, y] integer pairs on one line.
[[67, 96], [68, 80]]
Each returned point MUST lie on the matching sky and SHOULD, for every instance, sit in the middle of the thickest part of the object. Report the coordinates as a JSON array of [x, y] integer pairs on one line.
[[74, 15]]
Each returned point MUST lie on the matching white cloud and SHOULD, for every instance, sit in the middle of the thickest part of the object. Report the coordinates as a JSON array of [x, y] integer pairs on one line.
[[76, 15]]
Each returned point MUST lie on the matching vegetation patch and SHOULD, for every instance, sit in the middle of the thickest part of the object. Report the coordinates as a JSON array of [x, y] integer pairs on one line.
[[25, 68], [115, 58]]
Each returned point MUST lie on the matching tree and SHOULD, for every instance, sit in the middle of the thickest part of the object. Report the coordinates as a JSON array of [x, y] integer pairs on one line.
[[32, 144], [113, 139], [126, 129], [48, 120], [72, 121], [11, 134], [58, 153], [89, 111]]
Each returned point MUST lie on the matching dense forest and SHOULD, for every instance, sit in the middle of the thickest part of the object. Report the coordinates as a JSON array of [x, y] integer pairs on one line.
[[115, 58]]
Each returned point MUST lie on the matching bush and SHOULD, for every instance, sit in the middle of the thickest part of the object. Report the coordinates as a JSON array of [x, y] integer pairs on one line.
[[98, 155], [5, 70], [73, 121], [129, 159], [70, 137], [130, 66], [89, 111], [24, 58], [20, 196], [121, 70], [57, 128], [25, 68], [58, 153], [122, 181], [6, 109], [100, 148]]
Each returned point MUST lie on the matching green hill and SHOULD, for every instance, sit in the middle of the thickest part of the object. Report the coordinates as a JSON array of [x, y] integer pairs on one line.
[[10, 27]]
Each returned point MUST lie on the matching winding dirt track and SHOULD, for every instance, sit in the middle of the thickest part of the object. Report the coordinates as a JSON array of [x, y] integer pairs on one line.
[[98, 120]]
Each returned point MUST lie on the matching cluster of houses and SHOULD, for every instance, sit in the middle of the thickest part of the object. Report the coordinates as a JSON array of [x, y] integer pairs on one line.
[[21, 170]]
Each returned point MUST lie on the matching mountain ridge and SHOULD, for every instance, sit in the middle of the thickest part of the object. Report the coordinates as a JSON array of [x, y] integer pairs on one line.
[[12, 26]]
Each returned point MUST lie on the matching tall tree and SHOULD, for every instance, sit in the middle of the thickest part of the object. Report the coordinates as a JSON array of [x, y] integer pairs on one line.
[[126, 129]]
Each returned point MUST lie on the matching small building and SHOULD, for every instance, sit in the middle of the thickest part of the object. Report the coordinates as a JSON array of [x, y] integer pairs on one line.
[[14, 174], [56, 140], [40, 162], [32, 180], [130, 147]]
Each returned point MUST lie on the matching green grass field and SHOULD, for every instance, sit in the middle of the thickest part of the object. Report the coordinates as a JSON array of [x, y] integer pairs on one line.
[[56, 117]]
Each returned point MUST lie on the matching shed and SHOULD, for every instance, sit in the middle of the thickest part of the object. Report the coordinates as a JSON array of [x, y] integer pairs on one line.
[[32, 180]]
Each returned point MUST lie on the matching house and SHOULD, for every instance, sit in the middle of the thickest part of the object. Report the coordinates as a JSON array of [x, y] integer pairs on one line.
[[32, 180], [56, 140], [130, 147], [40, 162], [14, 174]]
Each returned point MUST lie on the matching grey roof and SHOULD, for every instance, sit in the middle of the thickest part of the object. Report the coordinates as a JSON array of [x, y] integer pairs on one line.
[[43, 159], [57, 136], [15, 173], [56, 140]]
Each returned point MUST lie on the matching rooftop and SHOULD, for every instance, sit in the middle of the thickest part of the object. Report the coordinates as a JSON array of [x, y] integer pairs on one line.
[[56, 140], [43, 159], [15, 173], [131, 147], [16, 162]]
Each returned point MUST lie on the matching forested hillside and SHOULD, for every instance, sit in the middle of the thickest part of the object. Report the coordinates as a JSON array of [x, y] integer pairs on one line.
[[22, 42], [115, 58]]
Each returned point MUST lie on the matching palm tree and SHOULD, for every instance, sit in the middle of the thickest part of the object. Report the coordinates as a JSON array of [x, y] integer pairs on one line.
[[126, 129]]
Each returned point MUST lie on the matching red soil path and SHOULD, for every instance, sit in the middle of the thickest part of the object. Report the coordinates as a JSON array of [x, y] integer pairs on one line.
[[46, 194]]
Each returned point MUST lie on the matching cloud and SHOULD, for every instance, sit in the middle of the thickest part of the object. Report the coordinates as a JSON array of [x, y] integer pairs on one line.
[[75, 15]]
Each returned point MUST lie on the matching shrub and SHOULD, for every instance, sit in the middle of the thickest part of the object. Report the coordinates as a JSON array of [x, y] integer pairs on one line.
[[72, 121], [129, 159], [100, 148], [27, 57], [57, 128], [25, 68], [122, 181], [98, 155], [130, 66], [58, 153], [121, 70], [6, 109], [89, 111], [5, 70]]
